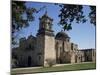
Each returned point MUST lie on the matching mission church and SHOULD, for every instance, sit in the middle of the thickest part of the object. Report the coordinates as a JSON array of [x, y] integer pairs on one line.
[[46, 47]]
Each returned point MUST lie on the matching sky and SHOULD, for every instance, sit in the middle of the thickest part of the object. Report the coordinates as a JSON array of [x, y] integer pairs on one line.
[[82, 34]]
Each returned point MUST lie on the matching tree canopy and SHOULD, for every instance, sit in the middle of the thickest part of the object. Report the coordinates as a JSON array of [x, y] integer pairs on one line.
[[70, 13], [92, 15], [21, 16]]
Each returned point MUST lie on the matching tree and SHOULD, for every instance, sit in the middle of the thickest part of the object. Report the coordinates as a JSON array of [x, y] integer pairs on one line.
[[92, 15], [21, 16], [70, 13]]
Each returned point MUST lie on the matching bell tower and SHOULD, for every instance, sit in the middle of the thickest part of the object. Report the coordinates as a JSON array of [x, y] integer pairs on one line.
[[45, 25], [45, 41]]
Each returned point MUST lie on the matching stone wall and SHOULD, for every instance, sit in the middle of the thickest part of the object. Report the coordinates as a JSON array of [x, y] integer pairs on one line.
[[49, 49]]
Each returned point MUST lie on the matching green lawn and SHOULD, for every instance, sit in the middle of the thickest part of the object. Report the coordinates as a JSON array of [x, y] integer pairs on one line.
[[83, 66]]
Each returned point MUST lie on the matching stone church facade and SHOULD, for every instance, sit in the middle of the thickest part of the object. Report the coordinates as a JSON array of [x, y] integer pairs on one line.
[[46, 47]]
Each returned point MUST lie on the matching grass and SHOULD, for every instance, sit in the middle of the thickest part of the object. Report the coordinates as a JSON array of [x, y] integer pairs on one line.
[[71, 67]]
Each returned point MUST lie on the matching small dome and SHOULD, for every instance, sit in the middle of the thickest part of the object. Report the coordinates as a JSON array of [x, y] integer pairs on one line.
[[61, 35]]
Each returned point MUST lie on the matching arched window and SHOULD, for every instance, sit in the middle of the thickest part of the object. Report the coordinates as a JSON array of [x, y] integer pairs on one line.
[[56, 46], [29, 61], [39, 57], [63, 46]]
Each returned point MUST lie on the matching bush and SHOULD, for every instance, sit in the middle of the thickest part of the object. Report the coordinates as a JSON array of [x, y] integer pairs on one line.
[[50, 62]]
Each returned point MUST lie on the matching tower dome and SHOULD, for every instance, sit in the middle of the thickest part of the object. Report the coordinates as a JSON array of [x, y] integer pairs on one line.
[[46, 17]]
